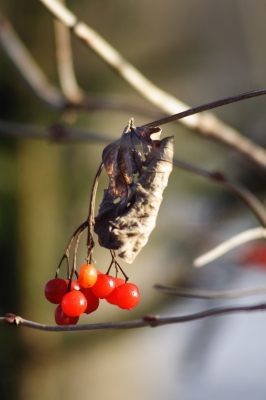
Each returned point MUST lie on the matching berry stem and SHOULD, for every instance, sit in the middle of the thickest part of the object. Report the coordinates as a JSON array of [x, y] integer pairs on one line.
[[124, 274], [66, 253], [90, 219], [74, 268], [78, 232], [109, 268], [117, 266]]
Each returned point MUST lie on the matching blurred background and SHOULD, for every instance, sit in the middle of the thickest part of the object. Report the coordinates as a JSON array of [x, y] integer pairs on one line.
[[198, 51]]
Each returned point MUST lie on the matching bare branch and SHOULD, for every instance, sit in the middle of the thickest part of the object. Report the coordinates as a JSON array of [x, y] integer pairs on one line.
[[149, 320], [90, 219], [41, 87], [115, 102], [248, 198], [27, 67], [79, 230], [208, 106], [205, 124], [210, 294], [56, 132], [65, 66], [241, 238]]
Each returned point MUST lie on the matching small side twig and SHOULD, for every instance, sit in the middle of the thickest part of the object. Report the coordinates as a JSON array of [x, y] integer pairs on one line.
[[35, 78], [56, 133], [247, 197], [225, 247], [74, 267], [27, 67], [148, 320], [90, 219], [117, 266], [66, 253], [79, 231], [208, 106], [65, 66]]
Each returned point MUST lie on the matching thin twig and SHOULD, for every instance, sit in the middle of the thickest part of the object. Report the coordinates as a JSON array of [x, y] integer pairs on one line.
[[79, 231], [74, 267], [51, 95], [208, 106], [205, 124], [117, 266], [209, 294], [149, 320], [241, 238], [90, 219], [251, 201], [27, 67], [57, 132], [65, 65], [66, 253]]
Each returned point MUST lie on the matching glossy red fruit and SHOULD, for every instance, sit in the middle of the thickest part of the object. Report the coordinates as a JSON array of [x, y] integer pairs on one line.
[[92, 300], [55, 289], [112, 299], [74, 285], [127, 296], [74, 303], [104, 286], [87, 276], [62, 319]]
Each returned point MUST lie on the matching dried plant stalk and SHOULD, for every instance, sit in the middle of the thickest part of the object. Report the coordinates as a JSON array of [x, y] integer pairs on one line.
[[129, 210]]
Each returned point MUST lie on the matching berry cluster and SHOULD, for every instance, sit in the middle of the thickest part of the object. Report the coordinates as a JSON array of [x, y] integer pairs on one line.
[[83, 295]]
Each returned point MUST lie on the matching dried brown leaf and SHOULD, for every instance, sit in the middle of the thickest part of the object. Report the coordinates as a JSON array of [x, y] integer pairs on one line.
[[128, 212]]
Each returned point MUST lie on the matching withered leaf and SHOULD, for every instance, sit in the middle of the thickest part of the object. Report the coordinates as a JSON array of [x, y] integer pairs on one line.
[[128, 212]]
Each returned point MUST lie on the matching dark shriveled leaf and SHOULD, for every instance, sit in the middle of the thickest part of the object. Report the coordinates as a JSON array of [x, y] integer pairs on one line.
[[128, 212]]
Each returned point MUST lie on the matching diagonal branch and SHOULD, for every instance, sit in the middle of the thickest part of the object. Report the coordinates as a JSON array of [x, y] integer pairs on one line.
[[149, 320], [208, 106], [225, 247], [205, 124], [27, 66], [247, 197], [51, 95]]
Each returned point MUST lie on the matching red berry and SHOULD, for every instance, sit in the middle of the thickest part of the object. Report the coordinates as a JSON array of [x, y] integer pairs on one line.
[[92, 300], [127, 296], [62, 319], [112, 299], [55, 289], [74, 285], [87, 276], [104, 286], [74, 303]]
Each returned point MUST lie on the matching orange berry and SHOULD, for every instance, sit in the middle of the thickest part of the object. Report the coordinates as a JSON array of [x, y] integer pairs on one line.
[[87, 276]]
